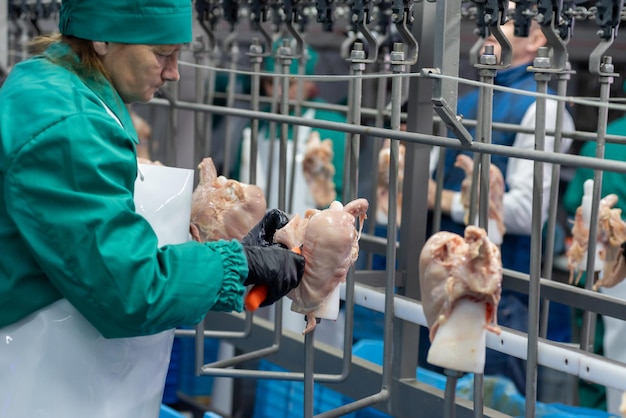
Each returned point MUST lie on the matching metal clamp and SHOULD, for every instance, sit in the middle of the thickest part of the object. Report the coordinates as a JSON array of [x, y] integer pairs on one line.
[[402, 16], [258, 14], [492, 14], [608, 15], [548, 16], [361, 17]]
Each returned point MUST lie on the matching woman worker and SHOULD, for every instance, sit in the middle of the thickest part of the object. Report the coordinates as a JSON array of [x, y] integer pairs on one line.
[[82, 280]]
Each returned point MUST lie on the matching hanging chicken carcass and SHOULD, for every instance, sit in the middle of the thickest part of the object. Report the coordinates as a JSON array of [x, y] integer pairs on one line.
[[611, 233], [460, 280], [496, 195], [222, 208], [318, 169], [329, 242], [382, 186]]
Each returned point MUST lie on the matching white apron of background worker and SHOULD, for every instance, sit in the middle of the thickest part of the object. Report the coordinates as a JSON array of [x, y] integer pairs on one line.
[[614, 341], [60, 366], [302, 197]]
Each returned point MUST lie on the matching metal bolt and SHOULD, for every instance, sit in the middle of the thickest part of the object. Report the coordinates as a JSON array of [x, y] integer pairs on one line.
[[357, 52], [488, 57], [255, 47], [542, 60], [607, 65], [398, 52]]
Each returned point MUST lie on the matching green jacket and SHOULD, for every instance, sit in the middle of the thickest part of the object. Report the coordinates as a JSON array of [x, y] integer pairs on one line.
[[612, 182], [68, 226]]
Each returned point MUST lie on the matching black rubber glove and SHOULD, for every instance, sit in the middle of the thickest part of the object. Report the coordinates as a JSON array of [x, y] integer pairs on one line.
[[262, 235], [276, 268]]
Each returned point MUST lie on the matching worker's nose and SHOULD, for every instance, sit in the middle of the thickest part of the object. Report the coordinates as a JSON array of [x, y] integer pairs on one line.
[[170, 71]]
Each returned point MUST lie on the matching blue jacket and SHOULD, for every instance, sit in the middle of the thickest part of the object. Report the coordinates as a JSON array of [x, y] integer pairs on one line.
[[507, 108]]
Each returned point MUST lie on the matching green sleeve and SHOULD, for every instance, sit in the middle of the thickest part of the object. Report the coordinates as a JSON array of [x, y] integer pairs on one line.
[[574, 191], [70, 192]]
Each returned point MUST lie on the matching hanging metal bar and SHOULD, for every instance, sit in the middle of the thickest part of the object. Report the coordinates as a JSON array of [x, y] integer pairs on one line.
[[542, 62]]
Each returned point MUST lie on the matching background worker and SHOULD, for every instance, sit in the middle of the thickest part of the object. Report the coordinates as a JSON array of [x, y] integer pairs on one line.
[[303, 196], [518, 176], [609, 332], [77, 262]]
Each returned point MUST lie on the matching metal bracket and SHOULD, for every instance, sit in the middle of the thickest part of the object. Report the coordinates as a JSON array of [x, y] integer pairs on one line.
[[361, 17], [549, 14], [325, 10], [258, 14], [402, 16], [494, 13], [608, 15], [452, 121], [208, 14]]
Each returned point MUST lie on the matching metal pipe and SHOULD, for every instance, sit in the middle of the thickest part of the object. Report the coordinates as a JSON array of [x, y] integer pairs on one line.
[[284, 54], [199, 118], [548, 252], [381, 97], [230, 102], [542, 62], [606, 76], [487, 68], [309, 367], [413, 137], [256, 59]]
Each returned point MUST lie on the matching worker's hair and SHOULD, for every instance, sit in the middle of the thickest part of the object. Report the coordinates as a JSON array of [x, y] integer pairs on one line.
[[89, 59]]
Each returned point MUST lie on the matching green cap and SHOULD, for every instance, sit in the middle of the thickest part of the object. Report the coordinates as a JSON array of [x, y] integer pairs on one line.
[[150, 22], [309, 53]]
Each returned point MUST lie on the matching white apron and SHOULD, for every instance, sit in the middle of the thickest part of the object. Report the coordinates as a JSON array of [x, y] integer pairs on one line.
[[302, 197], [614, 343], [55, 364]]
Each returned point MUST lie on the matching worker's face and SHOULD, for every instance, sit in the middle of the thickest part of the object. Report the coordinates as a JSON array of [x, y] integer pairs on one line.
[[308, 88], [523, 49], [138, 71]]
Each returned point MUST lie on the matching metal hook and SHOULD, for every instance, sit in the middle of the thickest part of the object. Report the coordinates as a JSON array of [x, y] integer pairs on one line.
[[360, 18], [506, 51], [299, 50], [346, 45], [230, 39], [608, 16], [207, 18], [486, 10], [258, 14], [402, 16], [548, 17]]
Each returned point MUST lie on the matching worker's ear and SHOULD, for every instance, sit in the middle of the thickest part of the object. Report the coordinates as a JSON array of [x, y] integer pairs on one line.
[[536, 39], [101, 48]]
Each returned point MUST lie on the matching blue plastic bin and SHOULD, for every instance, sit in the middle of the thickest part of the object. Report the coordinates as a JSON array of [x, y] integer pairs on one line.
[[285, 399], [188, 382], [171, 379], [167, 412]]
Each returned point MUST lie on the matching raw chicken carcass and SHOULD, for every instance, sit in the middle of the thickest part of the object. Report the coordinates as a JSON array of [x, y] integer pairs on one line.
[[319, 170], [382, 188], [496, 190], [611, 232], [223, 208], [330, 245], [460, 279], [452, 267]]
